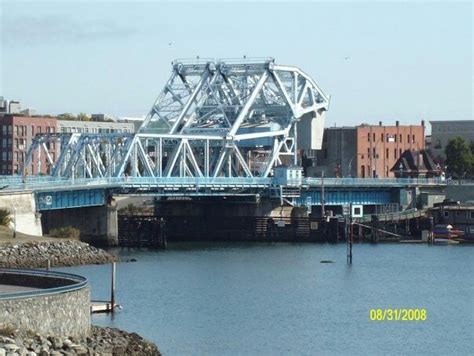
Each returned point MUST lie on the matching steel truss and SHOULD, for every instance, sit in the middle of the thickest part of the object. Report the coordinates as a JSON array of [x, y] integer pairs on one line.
[[212, 119]]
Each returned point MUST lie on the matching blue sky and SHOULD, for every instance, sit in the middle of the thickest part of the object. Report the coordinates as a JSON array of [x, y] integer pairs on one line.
[[378, 60]]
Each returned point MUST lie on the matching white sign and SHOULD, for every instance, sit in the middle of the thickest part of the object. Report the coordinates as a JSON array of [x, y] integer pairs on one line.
[[357, 210]]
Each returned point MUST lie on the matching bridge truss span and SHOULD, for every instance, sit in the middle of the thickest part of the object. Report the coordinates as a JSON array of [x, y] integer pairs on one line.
[[213, 118]]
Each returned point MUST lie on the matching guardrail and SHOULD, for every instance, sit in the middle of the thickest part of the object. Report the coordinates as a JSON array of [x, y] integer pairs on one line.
[[78, 282], [47, 183]]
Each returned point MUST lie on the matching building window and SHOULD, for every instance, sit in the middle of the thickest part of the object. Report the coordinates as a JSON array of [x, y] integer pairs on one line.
[[4, 143], [400, 138], [368, 137], [362, 171], [374, 153], [472, 214], [10, 129], [368, 152], [381, 137], [16, 143], [374, 136], [38, 129], [394, 153], [446, 214], [413, 138], [400, 152], [395, 137], [408, 138], [386, 171], [386, 153]]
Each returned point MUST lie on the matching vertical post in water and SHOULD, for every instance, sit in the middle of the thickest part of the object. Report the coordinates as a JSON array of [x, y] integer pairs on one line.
[[349, 238], [112, 288], [323, 213]]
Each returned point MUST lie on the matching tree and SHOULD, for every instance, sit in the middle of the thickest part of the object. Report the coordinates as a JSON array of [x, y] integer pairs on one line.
[[5, 217], [459, 157], [83, 117]]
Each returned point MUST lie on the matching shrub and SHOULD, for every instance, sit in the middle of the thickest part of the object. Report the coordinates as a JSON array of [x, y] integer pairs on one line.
[[5, 217], [67, 232]]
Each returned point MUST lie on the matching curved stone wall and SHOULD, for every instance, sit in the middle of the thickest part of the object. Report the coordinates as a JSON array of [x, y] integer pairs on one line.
[[57, 303]]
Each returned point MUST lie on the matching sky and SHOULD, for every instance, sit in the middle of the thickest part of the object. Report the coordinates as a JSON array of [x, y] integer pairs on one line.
[[379, 61]]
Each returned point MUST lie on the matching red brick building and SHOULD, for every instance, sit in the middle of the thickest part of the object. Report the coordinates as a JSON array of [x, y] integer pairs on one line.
[[379, 147], [16, 134], [367, 150]]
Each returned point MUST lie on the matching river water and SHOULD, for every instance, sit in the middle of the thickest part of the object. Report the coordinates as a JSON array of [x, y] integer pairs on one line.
[[268, 299]]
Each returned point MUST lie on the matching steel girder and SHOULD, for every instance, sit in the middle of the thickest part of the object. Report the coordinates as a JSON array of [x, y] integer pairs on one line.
[[213, 118]]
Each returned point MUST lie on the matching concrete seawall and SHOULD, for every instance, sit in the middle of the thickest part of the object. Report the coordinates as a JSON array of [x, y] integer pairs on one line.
[[59, 305]]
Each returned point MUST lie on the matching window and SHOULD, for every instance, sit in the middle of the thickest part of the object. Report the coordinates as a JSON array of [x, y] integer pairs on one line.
[[386, 171], [408, 138], [368, 152], [374, 153], [38, 129], [374, 136], [4, 143], [394, 153], [368, 137], [4, 156], [10, 129], [381, 137], [4, 129], [446, 214], [10, 142], [472, 214], [17, 132], [395, 137], [413, 138], [400, 152], [16, 143], [386, 153]]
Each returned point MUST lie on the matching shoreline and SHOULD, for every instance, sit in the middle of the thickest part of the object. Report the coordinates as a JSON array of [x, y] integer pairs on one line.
[[102, 340], [52, 253]]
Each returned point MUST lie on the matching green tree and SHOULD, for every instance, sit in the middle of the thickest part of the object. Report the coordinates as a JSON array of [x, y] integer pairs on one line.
[[83, 117], [5, 217], [459, 157]]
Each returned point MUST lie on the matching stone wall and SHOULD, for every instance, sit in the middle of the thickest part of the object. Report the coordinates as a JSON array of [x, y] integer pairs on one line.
[[27, 220], [61, 314]]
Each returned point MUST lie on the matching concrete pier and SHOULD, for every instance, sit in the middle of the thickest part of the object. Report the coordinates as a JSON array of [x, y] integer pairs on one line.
[[22, 208], [98, 224]]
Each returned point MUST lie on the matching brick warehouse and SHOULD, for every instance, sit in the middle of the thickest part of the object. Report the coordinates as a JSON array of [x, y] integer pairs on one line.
[[365, 151], [16, 134]]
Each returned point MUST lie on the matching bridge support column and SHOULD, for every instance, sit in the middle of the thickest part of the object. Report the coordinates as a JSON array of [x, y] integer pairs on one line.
[[22, 208], [98, 224]]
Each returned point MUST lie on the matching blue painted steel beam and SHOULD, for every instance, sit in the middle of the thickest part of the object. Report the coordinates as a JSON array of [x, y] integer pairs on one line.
[[64, 199]]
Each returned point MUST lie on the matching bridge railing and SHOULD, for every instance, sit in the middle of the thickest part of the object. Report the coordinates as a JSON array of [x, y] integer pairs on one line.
[[17, 183], [50, 183], [373, 181]]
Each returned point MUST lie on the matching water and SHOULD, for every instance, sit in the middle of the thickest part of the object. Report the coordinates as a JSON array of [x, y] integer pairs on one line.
[[267, 299]]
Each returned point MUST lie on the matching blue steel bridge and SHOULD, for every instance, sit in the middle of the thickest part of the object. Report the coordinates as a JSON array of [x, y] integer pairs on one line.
[[61, 193], [217, 128]]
